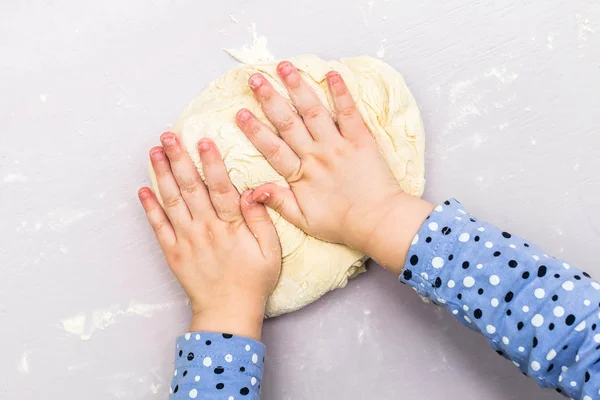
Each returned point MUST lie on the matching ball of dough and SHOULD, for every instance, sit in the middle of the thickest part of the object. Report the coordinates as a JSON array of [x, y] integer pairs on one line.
[[311, 267]]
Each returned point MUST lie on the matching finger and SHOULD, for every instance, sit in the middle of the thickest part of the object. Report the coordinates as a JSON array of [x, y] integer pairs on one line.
[[173, 202], [313, 113], [281, 200], [186, 175], [224, 196], [280, 113], [158, 219], [276, 151], [261, 226], [349, 119]]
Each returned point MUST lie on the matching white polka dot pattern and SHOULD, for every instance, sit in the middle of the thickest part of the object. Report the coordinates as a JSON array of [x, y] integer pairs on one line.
[[217, 365], [539, 312]]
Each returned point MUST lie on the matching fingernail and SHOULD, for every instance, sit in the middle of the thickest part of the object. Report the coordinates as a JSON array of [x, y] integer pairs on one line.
[[333, 77], [243, 115], [203, 145], [143, 194], [262, 198], [168, 139], [255, 81], [249, 200], [285, 68], [157, 154]]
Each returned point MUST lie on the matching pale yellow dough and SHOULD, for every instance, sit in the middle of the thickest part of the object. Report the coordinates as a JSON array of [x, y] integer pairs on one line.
[[311, 267]]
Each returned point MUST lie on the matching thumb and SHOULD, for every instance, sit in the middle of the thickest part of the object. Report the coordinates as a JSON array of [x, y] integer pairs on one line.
[[260, 224], [281, 200]]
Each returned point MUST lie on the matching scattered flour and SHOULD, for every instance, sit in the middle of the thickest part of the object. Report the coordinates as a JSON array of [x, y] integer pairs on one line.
[[154, 388], [253, 53], [75, 325], [478, 140], [585, 27], [84, 325], [10, 178], [381, 51], [366, 11], [463, 101], [466, 96], [550, 41], [558, 230], [55, 220], [502, 75], [24, 363]]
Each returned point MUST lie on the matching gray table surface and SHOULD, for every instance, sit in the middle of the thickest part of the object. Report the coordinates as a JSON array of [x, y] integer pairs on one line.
[[510, 95]]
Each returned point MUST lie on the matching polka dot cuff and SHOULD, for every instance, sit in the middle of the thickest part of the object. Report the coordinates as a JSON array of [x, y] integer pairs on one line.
[[212, 365], [539, 312]]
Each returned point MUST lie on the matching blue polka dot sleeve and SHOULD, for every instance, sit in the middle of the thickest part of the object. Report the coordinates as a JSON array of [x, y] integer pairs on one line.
[[539, 312], [220, 366]]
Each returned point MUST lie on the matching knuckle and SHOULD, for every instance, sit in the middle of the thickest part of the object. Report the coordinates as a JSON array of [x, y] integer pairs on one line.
[[220, 188], [286, 124], [162, 169], [295, 174], [172, 201], [252, 128], [175, 258], [232, 228], [340, 88], [257, 218], [278, 204], [159, 226], [273, 151], [190, 186], [312, 112], [226, 211], [265, 96], [174, 153], [347, 111]]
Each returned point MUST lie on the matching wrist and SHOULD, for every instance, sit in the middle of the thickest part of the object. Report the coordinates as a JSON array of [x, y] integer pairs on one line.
[[399, 222], [237, 319]]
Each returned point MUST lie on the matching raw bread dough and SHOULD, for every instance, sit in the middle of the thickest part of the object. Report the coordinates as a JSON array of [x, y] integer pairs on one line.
[[311, 267]]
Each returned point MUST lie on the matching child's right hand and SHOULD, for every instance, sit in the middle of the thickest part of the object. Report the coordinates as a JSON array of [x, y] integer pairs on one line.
[[221, 246], [341, 189]]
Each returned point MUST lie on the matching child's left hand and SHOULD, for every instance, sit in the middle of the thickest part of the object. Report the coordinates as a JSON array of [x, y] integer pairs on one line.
[[222, 248]]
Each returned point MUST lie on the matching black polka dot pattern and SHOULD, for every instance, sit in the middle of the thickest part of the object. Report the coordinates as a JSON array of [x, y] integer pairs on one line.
[[223, 364], [527, 303]]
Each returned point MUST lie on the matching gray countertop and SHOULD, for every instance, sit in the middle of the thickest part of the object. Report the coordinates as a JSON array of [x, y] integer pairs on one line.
[[510, 95]]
